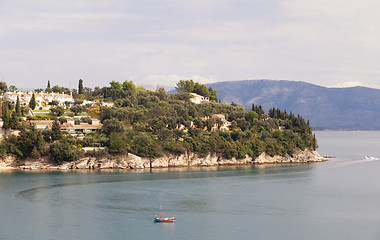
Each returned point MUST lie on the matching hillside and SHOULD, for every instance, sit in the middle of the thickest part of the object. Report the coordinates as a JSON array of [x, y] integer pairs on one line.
[[326, 108], [156, 124]]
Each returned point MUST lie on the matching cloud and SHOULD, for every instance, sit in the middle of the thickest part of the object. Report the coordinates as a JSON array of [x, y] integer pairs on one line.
[[348, 84], [171, 79], [324, 42]]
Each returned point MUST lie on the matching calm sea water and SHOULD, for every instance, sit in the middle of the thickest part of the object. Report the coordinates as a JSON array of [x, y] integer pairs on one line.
[[339, 199]]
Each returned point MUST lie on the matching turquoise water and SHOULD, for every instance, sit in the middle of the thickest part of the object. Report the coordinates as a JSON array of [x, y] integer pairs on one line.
[[338, 199]]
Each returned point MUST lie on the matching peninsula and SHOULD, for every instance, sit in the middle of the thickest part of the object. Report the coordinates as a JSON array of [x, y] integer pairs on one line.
[[126, 126]]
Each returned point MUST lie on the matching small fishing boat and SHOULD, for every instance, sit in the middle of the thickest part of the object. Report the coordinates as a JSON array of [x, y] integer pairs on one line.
[[164, 218]]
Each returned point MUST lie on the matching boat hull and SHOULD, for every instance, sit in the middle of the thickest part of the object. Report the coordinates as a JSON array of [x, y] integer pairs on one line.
[[164, 220]]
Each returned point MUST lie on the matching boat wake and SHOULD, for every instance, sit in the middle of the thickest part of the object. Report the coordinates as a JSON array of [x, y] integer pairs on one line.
[[366, 159]]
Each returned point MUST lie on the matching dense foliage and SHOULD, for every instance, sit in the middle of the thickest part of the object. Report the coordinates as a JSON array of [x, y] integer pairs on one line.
[[152, 123], [156, 122], [193, 87]]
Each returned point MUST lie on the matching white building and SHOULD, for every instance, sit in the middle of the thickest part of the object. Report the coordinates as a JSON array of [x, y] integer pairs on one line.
[[42, 99], [197, 99], [10, 97]]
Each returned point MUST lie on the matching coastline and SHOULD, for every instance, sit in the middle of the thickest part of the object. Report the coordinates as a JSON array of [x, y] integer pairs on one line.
[[131, 161]]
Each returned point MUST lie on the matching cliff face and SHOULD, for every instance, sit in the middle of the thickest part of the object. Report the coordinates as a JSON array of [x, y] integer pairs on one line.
[[131, 161]]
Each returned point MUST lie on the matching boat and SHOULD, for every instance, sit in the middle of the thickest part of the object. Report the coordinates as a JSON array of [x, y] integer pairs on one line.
[[164, 218]]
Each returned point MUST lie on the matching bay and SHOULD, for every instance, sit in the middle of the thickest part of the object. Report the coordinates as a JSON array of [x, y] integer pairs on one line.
[[338, 199]]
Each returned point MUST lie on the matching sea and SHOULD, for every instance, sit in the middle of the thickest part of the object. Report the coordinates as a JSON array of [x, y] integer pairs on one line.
[[338, 199]]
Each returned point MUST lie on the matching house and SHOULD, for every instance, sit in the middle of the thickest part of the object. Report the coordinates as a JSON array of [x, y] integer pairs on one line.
[[198, 99], [24, 98], [71, 128], [42, 124], [61, 98], [107, 104], [10, 97], [40, 101], [223, 125]]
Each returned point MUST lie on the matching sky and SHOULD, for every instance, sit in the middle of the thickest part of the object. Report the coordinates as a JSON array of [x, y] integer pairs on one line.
[[333, 43]]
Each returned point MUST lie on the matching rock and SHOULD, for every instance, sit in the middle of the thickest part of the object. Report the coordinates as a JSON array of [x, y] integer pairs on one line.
[[136, 162], [7, 163], [132, 161], [299, 157]]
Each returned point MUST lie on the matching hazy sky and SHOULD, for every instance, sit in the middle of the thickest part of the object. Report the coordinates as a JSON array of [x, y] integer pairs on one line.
[[153, 42]]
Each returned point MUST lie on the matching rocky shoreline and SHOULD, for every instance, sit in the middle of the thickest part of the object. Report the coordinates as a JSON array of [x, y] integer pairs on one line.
[[131, 161]]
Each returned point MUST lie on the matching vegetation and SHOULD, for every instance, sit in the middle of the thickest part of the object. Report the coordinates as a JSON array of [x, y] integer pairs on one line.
[[152, 123], [32, 103], [193, 87], [80, 86]]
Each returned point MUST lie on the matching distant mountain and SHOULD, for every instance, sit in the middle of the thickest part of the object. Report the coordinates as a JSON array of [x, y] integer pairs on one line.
[[326, 108]]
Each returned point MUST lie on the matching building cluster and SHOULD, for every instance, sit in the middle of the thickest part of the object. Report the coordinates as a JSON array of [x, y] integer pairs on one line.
[[42, 99], [75, 130], [221, 123]]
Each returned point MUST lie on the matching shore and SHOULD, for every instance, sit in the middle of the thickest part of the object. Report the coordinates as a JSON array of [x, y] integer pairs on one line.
[[131, 161]]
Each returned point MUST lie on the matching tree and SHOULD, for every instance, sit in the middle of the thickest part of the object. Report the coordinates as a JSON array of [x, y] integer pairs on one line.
[[57, 89], [80, 86], [53, 103], [18, 107], [13, 88], [13, 122], [38, 90], [59, 111], [62, 120], [6, 117], [76, 109], [144, 146], [29, 139], [56, 131], [210, 123], [112, 125], [258, 109], [116, 143], [251, 115], [185, 86], [61, 151], [3, 87], [161, 94], [32, 103], [48, 88], [198, 88], [129, 85], [94, 110]]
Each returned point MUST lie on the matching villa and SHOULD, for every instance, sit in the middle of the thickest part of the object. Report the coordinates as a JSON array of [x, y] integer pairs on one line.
[[198, 99]]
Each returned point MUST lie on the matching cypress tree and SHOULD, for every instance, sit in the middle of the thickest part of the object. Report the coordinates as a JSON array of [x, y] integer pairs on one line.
[[56, 131], [13, 122], [32, 103], [18, 107], [80, 86], [6, 117], [48, 89]]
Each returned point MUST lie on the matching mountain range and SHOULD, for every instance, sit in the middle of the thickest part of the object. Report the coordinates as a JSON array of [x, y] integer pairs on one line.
[[353, 108]]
